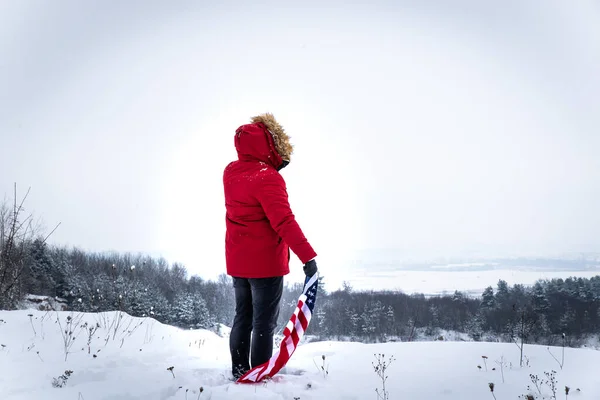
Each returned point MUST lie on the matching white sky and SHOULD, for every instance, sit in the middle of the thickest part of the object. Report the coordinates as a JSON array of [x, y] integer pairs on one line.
[[435, 130]]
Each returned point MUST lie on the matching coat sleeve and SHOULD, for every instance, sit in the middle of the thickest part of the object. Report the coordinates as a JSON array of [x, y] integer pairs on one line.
[[272, 195]]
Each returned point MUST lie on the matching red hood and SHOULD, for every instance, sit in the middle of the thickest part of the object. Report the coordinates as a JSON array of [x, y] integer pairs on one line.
[[253, 142]]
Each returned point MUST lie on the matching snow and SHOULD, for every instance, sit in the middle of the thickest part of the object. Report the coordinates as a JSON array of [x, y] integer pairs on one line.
[[133, 364], [442, 281], [462, 265], [37, 302]]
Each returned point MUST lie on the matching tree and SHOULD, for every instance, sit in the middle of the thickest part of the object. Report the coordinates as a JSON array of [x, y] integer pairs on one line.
[[371, 317], [502, 294], [488, 301], [15, 231], [539, 300], [521, 327], [347, 287], [321, 316], [189, 311], [140, 299], [354, 319], [95, 282], [183, 310], [567, 320], [41, 269], [390, 320], [474, 327], [202, 317], [433, 325], [518, 296]]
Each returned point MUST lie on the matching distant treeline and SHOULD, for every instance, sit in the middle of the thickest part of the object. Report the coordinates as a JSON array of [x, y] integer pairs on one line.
[[144, 286], [540, 313]]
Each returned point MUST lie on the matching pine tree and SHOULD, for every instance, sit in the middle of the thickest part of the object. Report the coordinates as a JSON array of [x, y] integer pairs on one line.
[[41, 269], [321, 317], [160, 308], [432, 326], [539, 300], [502, 294], [202, 318], [183, 310], [475, 326], [390, 320], [139, 299], [458, 297], [102, 293], [518, 295], [60, 275], [367, 323], [488, 301], [542, 328], [354, 320], [567, 320]]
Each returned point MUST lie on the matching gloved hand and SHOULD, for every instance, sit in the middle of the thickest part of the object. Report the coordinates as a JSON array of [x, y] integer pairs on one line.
[[310, 268]]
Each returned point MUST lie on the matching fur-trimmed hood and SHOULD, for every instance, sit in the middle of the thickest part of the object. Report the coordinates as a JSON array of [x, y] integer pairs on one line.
[[264, 140], [281, 139]]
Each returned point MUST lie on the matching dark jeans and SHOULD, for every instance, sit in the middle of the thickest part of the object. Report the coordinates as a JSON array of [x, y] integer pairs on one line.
[[257, 304]]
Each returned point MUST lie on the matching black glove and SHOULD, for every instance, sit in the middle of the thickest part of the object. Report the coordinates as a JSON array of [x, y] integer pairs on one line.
[[310, 268]]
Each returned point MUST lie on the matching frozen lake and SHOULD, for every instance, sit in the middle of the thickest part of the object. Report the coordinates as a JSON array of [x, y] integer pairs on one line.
[[439, 282], [472, 278]]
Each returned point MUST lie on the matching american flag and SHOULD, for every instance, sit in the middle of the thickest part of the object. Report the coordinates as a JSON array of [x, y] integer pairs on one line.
[[292, 334]]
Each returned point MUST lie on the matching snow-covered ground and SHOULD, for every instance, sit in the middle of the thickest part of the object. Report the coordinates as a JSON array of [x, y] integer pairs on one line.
[[132, 362]]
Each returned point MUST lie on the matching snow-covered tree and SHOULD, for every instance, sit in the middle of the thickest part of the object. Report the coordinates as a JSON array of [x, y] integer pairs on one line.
[[354, 321], [502, 294], [475, 326], [488, 300], [41, 269], [539, 301]]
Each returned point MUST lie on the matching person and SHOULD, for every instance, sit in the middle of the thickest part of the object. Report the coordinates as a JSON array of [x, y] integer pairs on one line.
[[260, 231]]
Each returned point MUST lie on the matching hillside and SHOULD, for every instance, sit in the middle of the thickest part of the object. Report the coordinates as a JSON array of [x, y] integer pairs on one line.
[[132, 361]]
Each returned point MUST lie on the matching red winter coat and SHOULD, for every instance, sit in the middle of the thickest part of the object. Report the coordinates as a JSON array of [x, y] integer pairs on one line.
[[261, 228]]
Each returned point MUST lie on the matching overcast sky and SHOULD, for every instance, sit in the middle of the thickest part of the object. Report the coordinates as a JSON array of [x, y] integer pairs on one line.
[[452, 128]]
